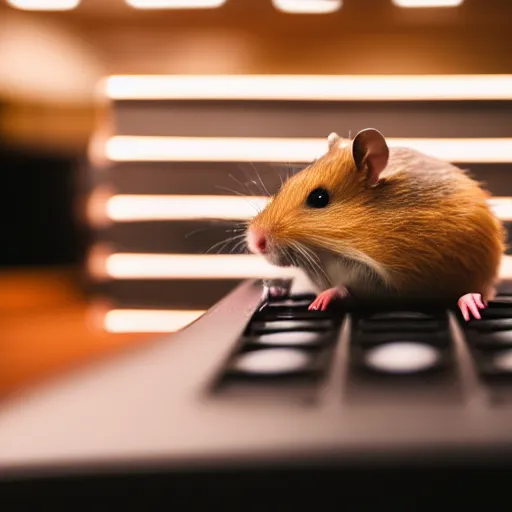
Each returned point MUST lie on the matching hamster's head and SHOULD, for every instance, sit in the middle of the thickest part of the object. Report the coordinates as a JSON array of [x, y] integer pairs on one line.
[[321, 207]]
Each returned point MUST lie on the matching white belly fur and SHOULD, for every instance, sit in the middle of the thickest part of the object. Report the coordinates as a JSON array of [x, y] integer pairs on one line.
[[352, 275]]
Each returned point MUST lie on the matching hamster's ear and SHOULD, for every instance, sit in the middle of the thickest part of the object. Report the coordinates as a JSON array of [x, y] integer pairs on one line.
[[370, 150], [332, 140]]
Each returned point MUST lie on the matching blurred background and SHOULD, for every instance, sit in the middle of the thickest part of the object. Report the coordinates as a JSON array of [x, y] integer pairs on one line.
[[137, 135]]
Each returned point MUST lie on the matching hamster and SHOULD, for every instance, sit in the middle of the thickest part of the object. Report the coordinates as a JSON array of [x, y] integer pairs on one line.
[[374, 222]]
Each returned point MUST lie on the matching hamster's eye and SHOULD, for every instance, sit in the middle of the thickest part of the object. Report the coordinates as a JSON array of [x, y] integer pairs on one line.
[[319, 198]]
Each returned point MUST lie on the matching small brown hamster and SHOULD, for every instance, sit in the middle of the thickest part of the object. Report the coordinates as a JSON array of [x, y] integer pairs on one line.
[[379, 222]]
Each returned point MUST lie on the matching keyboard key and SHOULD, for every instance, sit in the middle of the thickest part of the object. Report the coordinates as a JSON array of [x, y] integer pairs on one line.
[[495, 364], [438, 338], [291, 325], [292, 314], [503, 361], [501, 301], [496, 311], [400, 315], [289, 303], [402, 358], [290, 338], [301, 297], [396, 326], [491, 340], [274, 361], [483, 325]]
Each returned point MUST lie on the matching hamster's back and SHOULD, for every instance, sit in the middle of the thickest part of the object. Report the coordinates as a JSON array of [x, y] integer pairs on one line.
[[443, 238]]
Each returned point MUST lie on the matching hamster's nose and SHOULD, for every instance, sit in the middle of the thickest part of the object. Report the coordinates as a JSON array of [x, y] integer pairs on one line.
[[257, 240]]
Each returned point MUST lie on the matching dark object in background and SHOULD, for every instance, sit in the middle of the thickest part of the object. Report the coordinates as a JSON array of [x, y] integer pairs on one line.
[[39, 226]]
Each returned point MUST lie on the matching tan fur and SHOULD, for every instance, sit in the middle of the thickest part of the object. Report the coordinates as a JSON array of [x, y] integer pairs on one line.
[[425, 230]]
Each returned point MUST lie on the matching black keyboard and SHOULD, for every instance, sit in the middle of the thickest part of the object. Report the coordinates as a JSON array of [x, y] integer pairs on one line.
[[369, 402]]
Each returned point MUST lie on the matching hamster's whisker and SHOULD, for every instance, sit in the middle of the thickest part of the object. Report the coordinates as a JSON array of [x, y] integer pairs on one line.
[[260, 180], [231, 190], [302, 256], [310, 263], [281, 180], [224, 242], [241, 184], [241, 195], [237, 227], [194, 232], [237, 245], [311, 260], [316, 261]]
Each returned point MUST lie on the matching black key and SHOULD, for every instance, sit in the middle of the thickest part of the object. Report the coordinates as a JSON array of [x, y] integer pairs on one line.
[[291, 325], [272, 361], [496, 364], [491, 340], [290, 339], [397, 326], [438, 338], [402, 358], [292, 314], [496, 311], [502, 297], [400, 315], [298, 297], [499, 324], [289, 304]]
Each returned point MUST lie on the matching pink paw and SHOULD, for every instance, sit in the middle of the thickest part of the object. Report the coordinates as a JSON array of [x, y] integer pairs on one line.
[[326, 297], [471, 302], [277, 291]]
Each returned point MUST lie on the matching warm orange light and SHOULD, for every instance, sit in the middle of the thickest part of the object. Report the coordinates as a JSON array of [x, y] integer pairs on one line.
[[44, 5], [502, 207], [428, 3], [309, 87], [191, 266], [199, 266], [130, 208], [238, 149], [506, 268], [175, 4], [148, 321], [127, 208], [308, 6]]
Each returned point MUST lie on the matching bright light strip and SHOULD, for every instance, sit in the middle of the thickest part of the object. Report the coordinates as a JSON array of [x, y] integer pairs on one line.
[[506, 268], [44, 5], [148, 321], [502, 207], [192, 266], [428, 3], [309, 87], [127, 208], [137, 208], [211, 149], [308, 6], [175, 4]]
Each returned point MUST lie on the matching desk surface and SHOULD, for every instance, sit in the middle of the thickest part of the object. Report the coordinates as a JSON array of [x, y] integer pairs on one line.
[[45, 328]]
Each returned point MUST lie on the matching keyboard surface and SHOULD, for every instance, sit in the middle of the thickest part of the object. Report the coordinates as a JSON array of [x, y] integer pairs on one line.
[[260, 379]]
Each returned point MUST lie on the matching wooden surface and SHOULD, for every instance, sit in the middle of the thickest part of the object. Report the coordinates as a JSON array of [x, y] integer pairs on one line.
[[45, 328]]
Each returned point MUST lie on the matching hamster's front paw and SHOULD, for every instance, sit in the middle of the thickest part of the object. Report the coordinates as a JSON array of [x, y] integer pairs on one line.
[[326, 297], [471, 302], [275, 288], [277, 291]]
